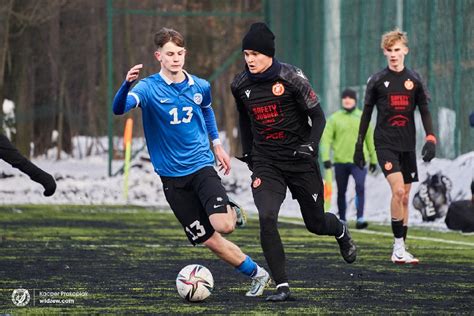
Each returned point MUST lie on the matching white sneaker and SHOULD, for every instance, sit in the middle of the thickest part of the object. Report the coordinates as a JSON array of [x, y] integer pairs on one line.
[[259, 284], [401, 256]]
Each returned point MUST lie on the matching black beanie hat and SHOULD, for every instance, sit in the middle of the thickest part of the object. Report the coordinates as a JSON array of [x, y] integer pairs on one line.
[[259, 38], [349, 93]]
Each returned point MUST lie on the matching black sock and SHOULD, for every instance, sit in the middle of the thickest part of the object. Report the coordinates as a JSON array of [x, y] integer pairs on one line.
[[273, 251], [397, 228], [335, 227], [405, 232]]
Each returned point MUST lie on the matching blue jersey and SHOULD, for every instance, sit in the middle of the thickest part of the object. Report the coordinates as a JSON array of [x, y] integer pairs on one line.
[[174, 125]]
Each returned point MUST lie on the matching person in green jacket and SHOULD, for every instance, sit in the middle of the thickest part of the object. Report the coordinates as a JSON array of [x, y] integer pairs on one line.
[[340, 135]]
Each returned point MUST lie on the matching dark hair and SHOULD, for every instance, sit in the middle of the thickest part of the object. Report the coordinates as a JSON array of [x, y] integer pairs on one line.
[[166, 35]]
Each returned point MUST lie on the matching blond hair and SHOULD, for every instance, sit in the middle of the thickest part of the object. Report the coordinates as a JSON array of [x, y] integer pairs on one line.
[[390, 38]]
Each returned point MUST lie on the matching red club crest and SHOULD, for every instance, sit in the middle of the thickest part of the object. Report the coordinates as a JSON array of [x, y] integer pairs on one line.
[[278, 89]]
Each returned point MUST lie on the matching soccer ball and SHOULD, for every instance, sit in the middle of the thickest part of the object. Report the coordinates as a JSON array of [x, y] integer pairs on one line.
[[194, 283]]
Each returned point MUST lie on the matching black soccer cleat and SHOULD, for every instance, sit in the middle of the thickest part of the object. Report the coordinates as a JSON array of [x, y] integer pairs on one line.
[[361, 225], [282, 294], [347, 246]]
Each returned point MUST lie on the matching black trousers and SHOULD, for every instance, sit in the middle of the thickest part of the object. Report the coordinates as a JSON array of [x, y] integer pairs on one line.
[[269, 184]]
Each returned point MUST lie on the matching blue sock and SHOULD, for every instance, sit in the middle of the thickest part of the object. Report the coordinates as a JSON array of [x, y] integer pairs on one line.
[[248, 267]]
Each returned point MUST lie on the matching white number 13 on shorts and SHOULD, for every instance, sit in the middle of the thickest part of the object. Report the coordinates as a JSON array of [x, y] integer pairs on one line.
[[196, 230]]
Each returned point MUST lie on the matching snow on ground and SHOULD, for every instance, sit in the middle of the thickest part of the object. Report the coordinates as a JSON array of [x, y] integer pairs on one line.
[[85, 181]]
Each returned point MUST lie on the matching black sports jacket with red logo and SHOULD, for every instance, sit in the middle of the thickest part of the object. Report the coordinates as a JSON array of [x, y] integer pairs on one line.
[[396, 95], [274, 114]]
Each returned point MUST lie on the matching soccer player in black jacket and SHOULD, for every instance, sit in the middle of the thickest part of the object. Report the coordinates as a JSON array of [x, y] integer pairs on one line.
[[275, 101], [10, 154], [396, 90]]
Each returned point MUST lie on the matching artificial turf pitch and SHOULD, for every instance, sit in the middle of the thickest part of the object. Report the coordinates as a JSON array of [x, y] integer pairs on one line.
[[125, 260]]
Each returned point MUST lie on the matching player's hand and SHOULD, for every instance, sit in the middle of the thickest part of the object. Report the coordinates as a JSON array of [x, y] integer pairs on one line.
[[223, 159], [308, 150], [429, 149], [327, 164], [247, 158], [133, 73], [359, 159], [45, 179], [372, 167]]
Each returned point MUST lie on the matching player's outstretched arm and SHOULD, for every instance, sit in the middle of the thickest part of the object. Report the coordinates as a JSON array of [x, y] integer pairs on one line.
[[122, 101], [10, 154]]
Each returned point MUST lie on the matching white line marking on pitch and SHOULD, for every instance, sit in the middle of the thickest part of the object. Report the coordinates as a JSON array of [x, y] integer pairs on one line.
[[372, 232]]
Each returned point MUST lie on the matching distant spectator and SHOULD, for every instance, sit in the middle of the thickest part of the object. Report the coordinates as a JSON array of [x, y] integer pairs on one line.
[[339, 137]]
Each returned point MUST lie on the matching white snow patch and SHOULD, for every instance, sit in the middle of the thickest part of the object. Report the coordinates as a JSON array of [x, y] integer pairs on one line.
[[85, 181]]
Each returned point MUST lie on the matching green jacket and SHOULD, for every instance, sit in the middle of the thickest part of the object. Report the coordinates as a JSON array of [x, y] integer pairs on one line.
[[341, 133]]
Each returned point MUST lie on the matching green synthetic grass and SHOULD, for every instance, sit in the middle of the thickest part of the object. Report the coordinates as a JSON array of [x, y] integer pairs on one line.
[[127, 259]]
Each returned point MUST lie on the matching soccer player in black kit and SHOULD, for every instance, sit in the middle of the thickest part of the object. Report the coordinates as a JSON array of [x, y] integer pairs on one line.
[[396, 91], [275, 102]]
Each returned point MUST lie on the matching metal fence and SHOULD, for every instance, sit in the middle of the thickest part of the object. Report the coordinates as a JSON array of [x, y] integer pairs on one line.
[[337, 44]]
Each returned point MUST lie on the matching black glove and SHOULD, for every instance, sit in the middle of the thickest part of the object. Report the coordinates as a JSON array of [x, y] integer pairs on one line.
[[46, 180], [327, 164], [247, 158], [429, 151], [308, 150], [359, 160], [39, 175], [372, 167]]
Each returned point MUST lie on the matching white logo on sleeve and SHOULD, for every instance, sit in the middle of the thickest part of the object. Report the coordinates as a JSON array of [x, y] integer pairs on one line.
[[315, 197], [197, 98], [164, 100], [247, 93], [386, 83], [300, 73]]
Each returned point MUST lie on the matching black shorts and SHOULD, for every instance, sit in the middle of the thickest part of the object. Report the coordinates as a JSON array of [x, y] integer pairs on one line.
[[270, 181], [391, 161], [193, 198]]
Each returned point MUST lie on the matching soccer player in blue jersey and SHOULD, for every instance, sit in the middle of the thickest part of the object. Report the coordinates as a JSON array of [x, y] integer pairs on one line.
[[177, 119]]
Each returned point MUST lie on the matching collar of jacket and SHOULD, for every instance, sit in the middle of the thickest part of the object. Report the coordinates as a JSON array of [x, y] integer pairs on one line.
[[270, 74]]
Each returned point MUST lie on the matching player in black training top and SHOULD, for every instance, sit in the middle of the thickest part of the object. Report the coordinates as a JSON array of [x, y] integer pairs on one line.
[[275, 102], [396, 91]]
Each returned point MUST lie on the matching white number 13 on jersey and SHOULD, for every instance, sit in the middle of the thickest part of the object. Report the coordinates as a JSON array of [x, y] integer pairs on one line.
[[186, 118]]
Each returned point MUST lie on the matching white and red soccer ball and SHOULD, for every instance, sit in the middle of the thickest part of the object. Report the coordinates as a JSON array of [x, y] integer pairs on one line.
[[194, 283]]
